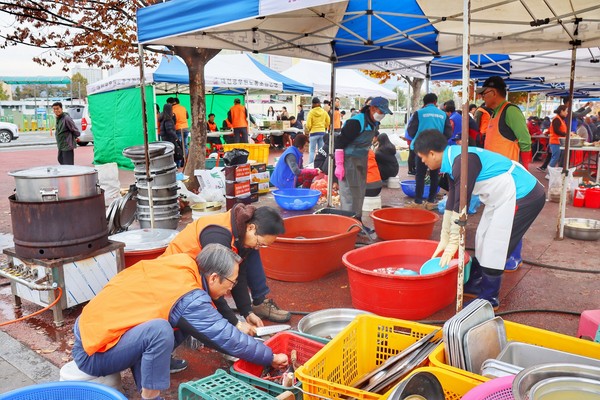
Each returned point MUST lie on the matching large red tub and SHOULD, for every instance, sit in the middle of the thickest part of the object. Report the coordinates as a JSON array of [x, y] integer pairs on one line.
[[403, 223], [311, 247], [399, 296]]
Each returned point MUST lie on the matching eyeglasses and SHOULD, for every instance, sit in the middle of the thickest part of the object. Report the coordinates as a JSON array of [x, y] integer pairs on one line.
[[486, 92], [258, 243], [233, 283]]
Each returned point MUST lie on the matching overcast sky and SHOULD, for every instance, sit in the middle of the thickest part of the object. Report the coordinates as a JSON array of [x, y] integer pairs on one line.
[[17, 61]]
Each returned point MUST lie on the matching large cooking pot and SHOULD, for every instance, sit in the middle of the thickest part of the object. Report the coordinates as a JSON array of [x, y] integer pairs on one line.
[[55, 183]]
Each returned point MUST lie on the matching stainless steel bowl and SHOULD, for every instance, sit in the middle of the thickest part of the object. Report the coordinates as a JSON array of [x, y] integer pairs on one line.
[[329, 322], [575, 142], [582, 228], [565, 388], [526, 379]]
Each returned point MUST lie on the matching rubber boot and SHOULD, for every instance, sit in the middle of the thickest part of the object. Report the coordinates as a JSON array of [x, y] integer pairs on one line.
[[514, 261], [472, 286], [490, 288]]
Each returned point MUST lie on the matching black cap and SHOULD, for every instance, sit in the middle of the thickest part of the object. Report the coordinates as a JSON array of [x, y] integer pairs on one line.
[[315, 100], [493, 82]]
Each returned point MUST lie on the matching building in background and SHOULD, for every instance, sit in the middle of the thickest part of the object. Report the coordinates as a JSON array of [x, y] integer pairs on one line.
[[91, 74]]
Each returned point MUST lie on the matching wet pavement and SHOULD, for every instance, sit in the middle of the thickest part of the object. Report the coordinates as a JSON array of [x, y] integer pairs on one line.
[[530, 288]]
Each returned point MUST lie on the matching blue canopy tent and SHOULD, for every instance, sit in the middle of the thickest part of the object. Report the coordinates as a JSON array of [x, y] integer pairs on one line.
[[355, 32]]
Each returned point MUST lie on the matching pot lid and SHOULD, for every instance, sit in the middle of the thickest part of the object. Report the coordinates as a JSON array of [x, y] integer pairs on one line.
[[53, 171], [145, 239]]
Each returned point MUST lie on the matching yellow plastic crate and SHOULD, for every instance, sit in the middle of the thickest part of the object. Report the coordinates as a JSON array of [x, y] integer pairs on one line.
[[362, 346], [455, 385], [258, 152], [530, 335]]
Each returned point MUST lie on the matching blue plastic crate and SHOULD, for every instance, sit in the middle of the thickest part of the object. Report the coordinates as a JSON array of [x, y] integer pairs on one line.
[[66, 390], [220, 386]]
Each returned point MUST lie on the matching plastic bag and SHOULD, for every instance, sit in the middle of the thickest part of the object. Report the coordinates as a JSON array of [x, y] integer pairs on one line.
[[555, 183], [108, 178], [236, 157]]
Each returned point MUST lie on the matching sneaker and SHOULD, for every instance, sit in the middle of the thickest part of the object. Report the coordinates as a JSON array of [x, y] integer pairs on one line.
[[413, 204], [269, 310], [412, 172], [541, 169], [431, 206], [177, 365]]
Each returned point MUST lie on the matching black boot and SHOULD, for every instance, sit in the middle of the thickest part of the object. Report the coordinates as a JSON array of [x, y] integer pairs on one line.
[[472, 286], [490, 288]]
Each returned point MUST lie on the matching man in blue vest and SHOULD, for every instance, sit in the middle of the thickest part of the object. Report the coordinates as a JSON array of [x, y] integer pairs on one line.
[[513, 198], [428, 117], [352, 152]]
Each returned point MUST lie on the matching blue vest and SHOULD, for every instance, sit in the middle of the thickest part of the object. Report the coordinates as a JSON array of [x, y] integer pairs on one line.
[[430, 117], [282, 176], [360, 146], [492, 165]]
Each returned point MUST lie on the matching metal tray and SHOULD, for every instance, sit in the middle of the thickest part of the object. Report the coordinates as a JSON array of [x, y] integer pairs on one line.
[[483, 342], [527, 355]]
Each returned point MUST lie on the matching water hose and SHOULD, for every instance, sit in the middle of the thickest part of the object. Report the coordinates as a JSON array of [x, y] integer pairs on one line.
[[37, 312]]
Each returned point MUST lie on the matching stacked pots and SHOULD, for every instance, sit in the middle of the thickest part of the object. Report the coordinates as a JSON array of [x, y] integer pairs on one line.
[[46, 202], [161, 185]]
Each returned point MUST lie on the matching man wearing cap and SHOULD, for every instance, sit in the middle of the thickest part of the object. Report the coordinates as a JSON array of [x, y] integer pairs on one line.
[[507, 134], [352, 150], [317, 122]]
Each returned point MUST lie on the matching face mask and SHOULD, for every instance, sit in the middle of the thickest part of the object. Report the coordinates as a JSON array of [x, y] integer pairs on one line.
[[378, 116]]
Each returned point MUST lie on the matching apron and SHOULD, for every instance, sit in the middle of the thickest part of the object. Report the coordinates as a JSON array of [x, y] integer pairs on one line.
[[499, 194]]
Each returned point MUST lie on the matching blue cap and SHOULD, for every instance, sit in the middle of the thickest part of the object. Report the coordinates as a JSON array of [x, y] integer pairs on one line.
[[382, 104]]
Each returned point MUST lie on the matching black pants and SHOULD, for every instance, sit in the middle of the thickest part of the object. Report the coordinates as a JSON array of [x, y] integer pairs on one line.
[[372, 192], [66, 157], [527, 210], [240, 135], [411, 160], [420, 182]]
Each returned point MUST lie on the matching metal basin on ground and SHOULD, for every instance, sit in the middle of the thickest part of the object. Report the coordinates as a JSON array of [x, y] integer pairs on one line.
[[311, 247], [329, 322], [403, 223], [409, 297]]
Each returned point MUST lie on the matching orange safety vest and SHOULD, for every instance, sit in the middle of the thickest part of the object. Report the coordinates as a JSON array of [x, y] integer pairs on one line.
[[373, 174], [145, 291], [238, 116], [188, 240], [337, 119], [554, 136], [494, 141], [212, 126], [484, 121], [180, 116]]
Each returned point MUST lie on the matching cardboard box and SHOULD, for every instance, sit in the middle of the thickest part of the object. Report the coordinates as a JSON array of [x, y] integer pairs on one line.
[[237, 188], [237, 173], [260, 177], [263, 187], [254, 187], [230, 201], [285, 124], [256, 168]]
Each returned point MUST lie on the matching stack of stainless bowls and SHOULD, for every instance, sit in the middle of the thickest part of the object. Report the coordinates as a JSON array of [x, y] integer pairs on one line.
[[162, 183]]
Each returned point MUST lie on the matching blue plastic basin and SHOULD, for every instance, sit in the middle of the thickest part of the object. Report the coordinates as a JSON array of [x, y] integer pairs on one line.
[[410, 188], [296, 199]]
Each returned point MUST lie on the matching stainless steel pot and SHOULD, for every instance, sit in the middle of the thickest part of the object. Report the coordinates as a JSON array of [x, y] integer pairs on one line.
[[158, 191], [157, 201], [55, 183], [166, 178], [329, 322], [160, 222], [160, 163]]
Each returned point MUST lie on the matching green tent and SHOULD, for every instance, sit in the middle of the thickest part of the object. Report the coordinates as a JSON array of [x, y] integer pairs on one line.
[[117, 119]]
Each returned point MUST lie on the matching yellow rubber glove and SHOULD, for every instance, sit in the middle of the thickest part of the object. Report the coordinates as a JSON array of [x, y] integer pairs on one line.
[[453, 240], [445, 234]]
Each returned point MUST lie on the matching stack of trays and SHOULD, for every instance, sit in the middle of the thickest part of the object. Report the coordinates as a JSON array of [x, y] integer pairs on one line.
[[162, 182]]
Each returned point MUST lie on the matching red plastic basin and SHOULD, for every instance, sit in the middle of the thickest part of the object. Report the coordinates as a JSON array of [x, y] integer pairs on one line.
[[403, 223], [132, 257], [311, 247], [399, 296]]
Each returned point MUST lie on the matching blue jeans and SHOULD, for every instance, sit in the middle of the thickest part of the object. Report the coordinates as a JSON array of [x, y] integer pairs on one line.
[[315, 141], [555, 150], [255, 275], [145, 348]]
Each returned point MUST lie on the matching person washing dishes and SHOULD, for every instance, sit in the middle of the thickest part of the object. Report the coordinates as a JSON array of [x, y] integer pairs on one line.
[[352, 150], [150, 308], [513, 198], [245, 229], [289, 167]]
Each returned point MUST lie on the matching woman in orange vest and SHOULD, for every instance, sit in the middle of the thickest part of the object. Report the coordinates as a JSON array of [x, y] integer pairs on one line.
[[245, 229], [558, 129], [146, 310]]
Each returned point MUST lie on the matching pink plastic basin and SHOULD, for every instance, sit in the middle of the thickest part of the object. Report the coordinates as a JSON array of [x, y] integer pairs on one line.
[[399, 296]]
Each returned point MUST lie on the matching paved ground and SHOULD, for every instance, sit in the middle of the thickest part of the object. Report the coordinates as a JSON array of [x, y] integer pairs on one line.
[[532, 287]]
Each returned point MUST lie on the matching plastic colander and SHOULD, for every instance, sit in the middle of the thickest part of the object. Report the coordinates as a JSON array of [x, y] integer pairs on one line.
[[496, 389]]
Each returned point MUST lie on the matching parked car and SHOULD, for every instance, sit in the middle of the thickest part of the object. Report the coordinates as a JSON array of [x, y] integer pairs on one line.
[[81, 117], [8, 132]]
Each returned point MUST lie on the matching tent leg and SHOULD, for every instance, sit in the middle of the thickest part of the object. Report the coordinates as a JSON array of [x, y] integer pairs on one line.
[[330, 165], [145, 129]]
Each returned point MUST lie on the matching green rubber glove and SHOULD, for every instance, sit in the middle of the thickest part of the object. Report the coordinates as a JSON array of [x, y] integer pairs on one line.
[[445, 234]]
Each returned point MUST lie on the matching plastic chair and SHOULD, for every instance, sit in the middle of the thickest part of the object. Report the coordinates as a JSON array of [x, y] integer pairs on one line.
[[588, 324]]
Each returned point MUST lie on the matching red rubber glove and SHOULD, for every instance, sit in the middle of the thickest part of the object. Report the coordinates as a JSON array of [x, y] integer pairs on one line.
[[526, 159]]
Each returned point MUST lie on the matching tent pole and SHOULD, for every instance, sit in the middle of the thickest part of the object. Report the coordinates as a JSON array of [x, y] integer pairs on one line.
[[527, 106], [145, 131], [563, 194], [330, 166], [464, 161], [427, 77]]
